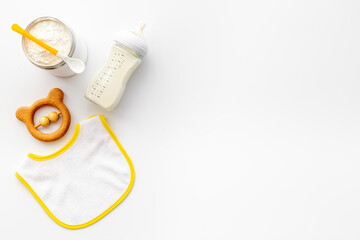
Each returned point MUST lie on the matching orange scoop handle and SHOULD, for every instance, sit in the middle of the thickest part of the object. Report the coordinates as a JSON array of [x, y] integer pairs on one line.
[[18, 29]]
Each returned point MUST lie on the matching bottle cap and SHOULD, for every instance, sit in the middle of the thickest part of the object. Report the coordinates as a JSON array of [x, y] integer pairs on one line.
[[134, 39]]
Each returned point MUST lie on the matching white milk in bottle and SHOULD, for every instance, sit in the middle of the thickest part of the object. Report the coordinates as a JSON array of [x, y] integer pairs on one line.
[[108, 85]]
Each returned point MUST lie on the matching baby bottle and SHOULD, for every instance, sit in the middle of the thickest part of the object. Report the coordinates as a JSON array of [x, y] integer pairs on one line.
[[108, 85]]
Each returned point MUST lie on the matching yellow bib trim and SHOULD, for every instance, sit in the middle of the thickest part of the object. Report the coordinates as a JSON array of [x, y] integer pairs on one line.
[[61, 150], [40, 158]]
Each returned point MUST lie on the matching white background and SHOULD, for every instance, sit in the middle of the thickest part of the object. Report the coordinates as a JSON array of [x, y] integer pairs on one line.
[[243, 121]]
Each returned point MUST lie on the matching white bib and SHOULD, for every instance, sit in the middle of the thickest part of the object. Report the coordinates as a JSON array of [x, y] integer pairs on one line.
[[83, 181]]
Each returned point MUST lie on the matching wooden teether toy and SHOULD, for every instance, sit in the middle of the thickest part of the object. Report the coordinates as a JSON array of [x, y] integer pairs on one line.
[[55, 99]]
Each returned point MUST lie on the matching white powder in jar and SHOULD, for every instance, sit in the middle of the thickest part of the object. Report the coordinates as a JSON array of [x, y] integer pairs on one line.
[[55, 34]]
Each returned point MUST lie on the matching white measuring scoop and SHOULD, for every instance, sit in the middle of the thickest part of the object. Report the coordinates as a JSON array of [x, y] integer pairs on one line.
[[76, 65]]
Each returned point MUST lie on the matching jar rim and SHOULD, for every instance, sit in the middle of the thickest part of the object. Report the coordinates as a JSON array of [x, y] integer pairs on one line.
[[59, 64]]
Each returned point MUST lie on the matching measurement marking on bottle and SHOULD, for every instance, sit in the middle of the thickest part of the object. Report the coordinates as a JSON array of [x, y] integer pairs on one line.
[[113, 65]]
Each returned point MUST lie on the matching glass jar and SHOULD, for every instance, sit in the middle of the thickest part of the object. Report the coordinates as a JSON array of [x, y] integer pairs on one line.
[[57, 67]]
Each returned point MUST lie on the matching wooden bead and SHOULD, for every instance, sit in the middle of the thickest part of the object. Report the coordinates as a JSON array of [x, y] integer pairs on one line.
[[53, 116], [44, 121]]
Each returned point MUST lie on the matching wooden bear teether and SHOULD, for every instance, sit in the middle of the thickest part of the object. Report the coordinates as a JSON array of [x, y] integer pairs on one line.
[[55, 99]]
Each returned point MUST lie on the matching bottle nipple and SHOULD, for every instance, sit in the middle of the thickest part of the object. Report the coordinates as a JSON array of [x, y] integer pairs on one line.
[[139, 30]]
